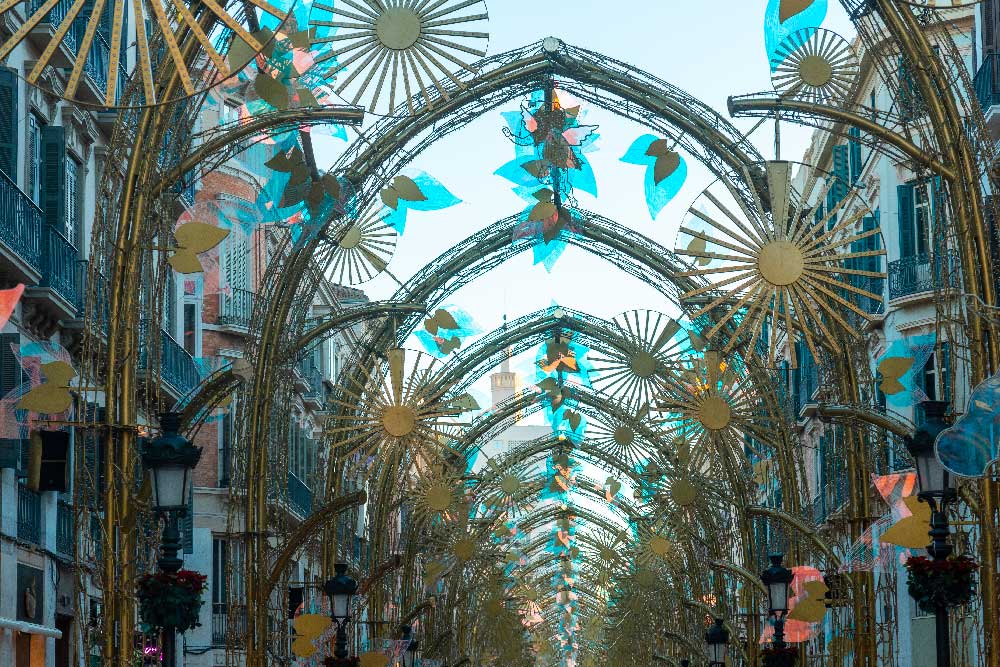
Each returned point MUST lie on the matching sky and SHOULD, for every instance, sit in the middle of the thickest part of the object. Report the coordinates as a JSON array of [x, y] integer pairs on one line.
[[710, 49]]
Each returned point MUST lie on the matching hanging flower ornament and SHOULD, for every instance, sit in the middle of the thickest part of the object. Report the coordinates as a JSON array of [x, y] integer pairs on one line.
[[170, 601], [940, 584]]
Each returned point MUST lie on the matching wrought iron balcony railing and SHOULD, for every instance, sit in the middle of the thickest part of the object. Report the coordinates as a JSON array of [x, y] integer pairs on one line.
[[59, 265], [923, 273], [236, 310], [300, 496], [29, 515], [987, 82], [177, 367], [20, 223], [65, 533]]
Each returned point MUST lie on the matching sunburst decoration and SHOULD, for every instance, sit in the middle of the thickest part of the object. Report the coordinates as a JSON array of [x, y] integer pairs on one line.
[[710, 408], [620, 440], [365, 249], [654, 547], [814, 65], [393, 413], [652, 342], [509, 487], [778, 264], [77, 33], [385, 51], [438, 495]]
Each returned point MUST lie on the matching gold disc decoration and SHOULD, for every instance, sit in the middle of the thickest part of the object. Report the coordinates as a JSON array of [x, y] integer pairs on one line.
[[633, 375], [364, 249], [814, 65], [387, 51], [89, 46], [394, 412], [781, 264], [711, 406]]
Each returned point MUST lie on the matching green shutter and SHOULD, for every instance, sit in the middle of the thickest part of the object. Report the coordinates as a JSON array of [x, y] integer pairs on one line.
[[8, 122], [907, 238], [854, 148], [842, 172], [54, 175], [946, 371], [187, 529], [11, 374]]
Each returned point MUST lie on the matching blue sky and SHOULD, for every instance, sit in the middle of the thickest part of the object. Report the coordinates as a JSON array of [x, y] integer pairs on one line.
[[710, 49]]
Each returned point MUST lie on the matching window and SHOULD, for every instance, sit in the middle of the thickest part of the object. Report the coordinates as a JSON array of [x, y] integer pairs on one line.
[[225, 447], [220, 559], [33, 160], [915, 201], [935, 381], [191, 328], [74, 201]]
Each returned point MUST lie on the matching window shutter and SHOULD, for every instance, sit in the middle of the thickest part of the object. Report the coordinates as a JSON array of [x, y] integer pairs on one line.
[[946, 371], [11, 373], [54, 175], [907, 239], [8, 122], [854, 147], [989, 29], [842, 172], [187, 529]]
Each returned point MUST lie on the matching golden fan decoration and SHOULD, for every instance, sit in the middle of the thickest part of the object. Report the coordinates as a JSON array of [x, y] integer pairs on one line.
[[654, 547], [364, 250], [711, 407], [438, 495], [814, 65], [385, 51], [620, 439], [394, 412], [91, 40], [775, 263], [634, 374]]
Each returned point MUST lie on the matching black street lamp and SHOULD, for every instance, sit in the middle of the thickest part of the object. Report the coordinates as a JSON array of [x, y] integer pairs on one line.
[[170, 458], [717, 641], [778, 579], [341, 590], [935, 488], [410, 655]]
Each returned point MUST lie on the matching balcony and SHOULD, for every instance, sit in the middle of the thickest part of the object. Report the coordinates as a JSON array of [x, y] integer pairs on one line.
[[220, 624], [177, 368], [59, 272], [29, 515], [20, 230], [300, 496], [65, 541], [313, 392], [236, 310], [987, 84], [921, 274]]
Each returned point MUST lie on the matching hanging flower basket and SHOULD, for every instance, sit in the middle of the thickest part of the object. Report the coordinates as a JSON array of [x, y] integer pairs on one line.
[[941, 583], [780, 657], [171, 601]]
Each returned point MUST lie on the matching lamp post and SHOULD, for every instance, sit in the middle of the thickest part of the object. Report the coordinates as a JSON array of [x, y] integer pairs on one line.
[[410, 655], [935, 488], [170, 458], [341, 590], [777, 578], [717, 641]]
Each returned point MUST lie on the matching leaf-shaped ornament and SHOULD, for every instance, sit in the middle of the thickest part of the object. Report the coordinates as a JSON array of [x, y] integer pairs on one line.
[[194, 238], [699, 245], [403, 188], [52, 396], [271, 91], [812, 607], [373, 659], [303, 647], [789, 8], [892, 369], [911, 531]]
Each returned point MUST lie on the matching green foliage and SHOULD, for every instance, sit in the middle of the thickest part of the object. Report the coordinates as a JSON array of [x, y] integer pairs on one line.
[[940, 583], [170, 600]]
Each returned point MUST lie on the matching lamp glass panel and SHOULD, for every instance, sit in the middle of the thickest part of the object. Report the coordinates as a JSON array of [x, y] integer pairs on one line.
[[717, 652], [170, 485], [778, 593], [342, 605]]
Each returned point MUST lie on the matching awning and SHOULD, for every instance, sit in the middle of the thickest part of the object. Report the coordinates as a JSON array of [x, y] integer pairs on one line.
[[30, 628]]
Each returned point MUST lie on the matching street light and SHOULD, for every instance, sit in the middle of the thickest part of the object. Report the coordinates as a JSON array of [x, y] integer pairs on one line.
[[410, 655], [717, 640], [170, 458], [935, 488], [341, 590], [777, 578]]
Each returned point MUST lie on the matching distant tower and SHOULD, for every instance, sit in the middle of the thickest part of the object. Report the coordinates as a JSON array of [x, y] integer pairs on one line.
[[505, 383]]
